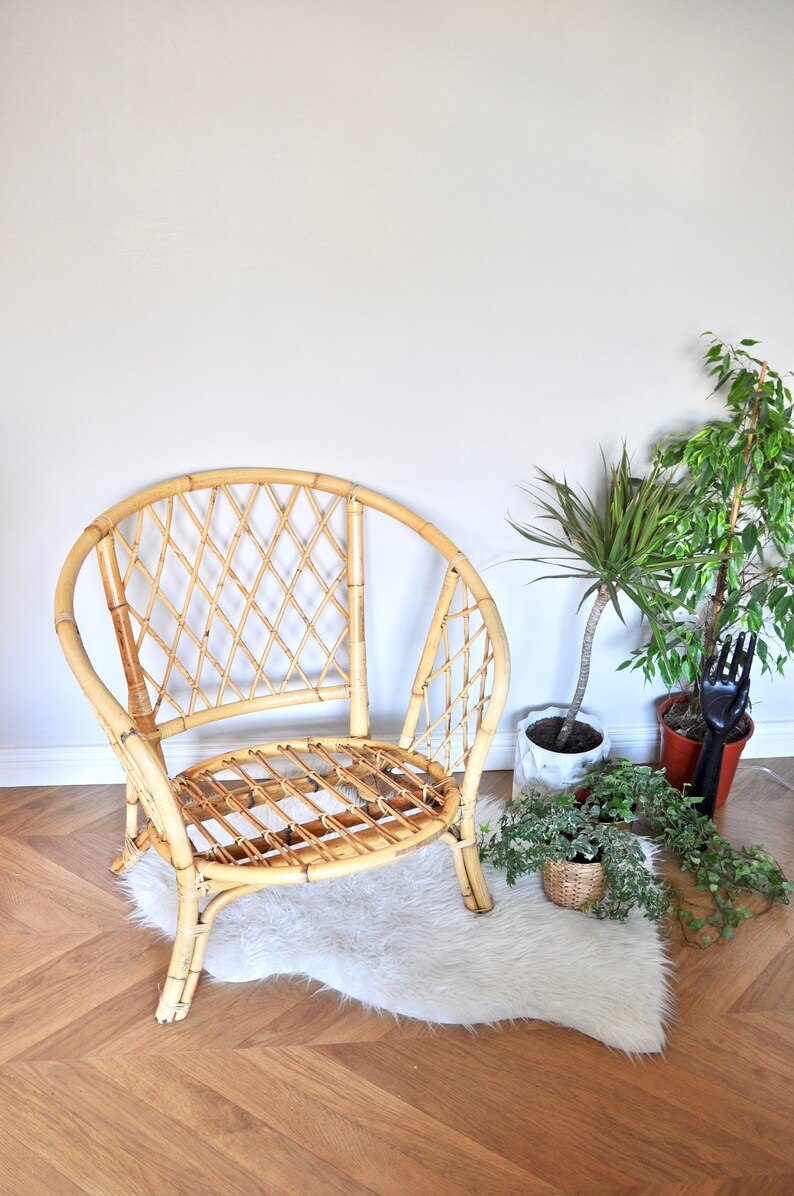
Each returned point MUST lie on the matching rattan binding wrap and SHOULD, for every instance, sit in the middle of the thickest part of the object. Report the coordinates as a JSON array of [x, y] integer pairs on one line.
[[573, 885], [241, 592]]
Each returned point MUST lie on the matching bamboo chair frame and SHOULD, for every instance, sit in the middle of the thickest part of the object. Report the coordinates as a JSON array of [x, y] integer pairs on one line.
[[389, 799]]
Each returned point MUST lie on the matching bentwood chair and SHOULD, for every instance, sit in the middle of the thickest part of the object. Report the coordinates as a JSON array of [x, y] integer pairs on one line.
[[241, 592]]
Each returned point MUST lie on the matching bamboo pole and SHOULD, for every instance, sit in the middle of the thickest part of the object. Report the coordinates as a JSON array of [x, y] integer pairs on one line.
[[277, 701], [428, 657], [137, 694], [359, 701]]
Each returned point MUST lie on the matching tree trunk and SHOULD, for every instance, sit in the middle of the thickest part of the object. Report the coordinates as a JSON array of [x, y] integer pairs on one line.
[[601, 600], [718, 597]]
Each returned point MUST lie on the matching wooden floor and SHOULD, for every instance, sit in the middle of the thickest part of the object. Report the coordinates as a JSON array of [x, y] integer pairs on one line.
[[271, 1088]]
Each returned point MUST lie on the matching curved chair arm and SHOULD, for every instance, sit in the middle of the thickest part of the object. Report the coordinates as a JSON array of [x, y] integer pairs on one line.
[[139, 759], [478, 753], [460, 574], [468, 666]]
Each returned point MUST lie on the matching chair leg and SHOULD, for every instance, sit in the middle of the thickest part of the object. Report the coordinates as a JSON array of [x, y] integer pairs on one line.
[[131, 852], [483, 901], [187, 959], [468, 868], [135, 844], [190, 939], [201, 935]]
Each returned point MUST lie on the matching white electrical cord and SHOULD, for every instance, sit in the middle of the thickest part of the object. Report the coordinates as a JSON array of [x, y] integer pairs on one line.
[[763, 768]]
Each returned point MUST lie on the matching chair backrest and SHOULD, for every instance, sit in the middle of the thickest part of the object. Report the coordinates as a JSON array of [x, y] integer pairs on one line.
[[243, 590]]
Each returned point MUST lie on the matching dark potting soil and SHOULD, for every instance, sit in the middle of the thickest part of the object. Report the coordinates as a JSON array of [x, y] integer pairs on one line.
[[583, 737], [675, 718]]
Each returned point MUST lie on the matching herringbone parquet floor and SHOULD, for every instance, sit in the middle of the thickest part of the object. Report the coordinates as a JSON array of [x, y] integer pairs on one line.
[[277, 1089]]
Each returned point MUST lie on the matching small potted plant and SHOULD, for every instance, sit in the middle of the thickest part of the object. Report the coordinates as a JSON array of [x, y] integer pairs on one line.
[[621, 543], [607, 796], [586, 864], [725, 875], [739, 471]]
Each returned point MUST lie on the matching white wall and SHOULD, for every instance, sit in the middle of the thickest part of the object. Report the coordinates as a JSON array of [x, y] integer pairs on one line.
[[423, 244]]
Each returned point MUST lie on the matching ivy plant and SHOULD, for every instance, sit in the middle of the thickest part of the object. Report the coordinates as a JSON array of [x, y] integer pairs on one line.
[[579, 823], [536, 829], [725, 874]]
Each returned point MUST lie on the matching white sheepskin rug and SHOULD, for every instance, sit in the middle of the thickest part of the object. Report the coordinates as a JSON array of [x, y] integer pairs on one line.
[[399, 938]]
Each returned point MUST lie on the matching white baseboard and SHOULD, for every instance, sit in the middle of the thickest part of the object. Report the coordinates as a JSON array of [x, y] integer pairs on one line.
[[95, 764]]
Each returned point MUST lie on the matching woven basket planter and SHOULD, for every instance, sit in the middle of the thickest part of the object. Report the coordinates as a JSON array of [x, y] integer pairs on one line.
[[573, 885]]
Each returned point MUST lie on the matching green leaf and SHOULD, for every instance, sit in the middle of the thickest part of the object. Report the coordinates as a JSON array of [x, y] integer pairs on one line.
[[749, 537]]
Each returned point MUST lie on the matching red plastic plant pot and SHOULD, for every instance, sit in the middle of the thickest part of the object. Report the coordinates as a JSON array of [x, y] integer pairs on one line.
[[680, 755]]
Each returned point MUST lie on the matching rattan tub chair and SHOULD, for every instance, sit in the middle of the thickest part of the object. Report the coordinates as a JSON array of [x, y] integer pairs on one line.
[[241, 593]]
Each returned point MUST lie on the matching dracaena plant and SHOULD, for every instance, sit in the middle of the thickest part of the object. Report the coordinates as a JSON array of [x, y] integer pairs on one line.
[[622, 542], [739, 470]]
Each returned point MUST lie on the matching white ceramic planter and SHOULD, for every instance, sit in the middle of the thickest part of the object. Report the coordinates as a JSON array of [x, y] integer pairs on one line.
[[536, 767]]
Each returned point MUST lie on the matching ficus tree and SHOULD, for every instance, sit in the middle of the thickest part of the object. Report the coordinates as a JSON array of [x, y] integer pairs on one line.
[[739, 472]]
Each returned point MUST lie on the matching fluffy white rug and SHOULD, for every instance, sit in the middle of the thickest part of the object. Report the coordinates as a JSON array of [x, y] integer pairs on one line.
[[398, 938]]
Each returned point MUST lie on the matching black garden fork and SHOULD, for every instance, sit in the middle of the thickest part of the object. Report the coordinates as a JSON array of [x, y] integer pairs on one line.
[[723, 698]]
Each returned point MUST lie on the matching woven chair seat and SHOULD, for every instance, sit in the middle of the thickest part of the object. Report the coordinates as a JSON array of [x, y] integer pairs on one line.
[[309, 805]]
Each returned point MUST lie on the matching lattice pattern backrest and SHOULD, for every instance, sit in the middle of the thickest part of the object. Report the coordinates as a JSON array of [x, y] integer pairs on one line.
[[454, 681], [235, 592]]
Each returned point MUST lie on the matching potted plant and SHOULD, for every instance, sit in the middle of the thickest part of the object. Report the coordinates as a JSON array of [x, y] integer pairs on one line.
[[723, 874], [586, 864], [606, 796], [622, 542], [739, 471]]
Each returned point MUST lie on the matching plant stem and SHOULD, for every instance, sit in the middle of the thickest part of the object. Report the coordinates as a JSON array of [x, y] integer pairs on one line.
[[601, 600], [718, 597]]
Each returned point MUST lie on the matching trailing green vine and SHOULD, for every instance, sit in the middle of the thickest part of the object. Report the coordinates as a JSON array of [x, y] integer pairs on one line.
[[536, 829], [581, 823]]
